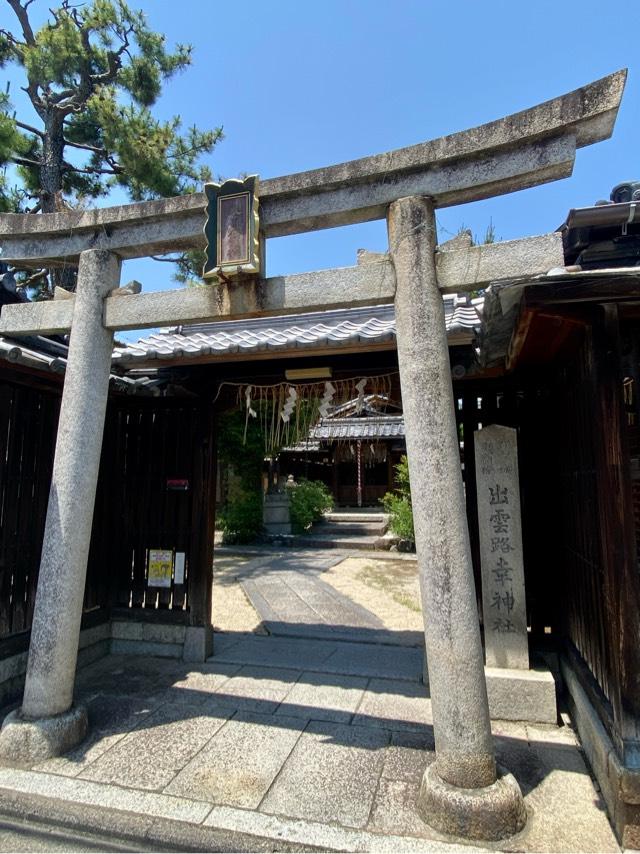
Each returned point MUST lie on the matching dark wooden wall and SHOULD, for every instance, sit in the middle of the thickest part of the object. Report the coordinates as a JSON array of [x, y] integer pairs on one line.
[[583, 430], [148, 443], [28, 421]]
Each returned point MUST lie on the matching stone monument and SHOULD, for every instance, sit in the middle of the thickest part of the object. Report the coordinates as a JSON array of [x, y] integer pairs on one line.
[[515, 691], [500, 525]]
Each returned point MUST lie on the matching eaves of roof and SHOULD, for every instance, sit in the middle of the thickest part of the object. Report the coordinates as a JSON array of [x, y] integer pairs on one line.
[[356, 329]]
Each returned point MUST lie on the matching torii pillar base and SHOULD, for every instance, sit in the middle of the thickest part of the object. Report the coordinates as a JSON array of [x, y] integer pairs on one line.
[[26, 741], [491, 812]]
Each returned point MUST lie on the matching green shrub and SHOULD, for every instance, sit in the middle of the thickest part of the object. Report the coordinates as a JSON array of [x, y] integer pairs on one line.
[[308, 500], [241, 518], [398, 504], [401, 515]]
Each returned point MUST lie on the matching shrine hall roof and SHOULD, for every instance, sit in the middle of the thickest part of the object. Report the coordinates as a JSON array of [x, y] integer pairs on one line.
[[311, 331], [380, 427]]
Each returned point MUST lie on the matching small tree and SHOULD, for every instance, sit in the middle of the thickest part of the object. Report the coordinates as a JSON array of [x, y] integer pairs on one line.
[[398, 504], [92, 73], [308, 501], [240, 517]]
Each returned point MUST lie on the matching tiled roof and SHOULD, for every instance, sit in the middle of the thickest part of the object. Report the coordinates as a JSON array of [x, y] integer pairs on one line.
[[34, 352], [45, 354], [312, 331], [380, 427]]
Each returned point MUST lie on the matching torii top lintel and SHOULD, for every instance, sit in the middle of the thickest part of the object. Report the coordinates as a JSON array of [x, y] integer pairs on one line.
[[521, 150]]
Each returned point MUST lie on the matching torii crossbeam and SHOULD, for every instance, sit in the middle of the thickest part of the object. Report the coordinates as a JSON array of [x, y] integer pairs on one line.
[[462, 792]]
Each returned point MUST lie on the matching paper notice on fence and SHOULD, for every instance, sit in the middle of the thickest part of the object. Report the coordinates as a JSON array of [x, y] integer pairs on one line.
[[160, 564], [179, 568]]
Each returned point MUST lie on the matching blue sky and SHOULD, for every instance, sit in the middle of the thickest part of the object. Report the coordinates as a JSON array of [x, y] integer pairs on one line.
[[298, 85]]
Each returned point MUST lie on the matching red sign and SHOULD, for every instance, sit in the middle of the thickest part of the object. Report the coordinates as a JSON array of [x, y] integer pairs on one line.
[[177, 484]]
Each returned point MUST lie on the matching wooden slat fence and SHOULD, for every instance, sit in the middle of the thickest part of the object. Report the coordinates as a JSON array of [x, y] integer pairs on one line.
[[28, 420], [148, 444]]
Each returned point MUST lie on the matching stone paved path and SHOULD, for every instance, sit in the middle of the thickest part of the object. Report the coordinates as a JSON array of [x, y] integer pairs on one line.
[[315, 736], [291, 599], [301, 742]]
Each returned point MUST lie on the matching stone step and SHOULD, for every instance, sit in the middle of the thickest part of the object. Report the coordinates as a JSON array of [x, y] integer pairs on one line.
[[345, 529], [328, 541], [355, 516]]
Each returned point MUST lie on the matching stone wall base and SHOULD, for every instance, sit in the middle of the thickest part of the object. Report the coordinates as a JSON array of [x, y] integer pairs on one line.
[[95, 643], [522, 695], [127, 637], [519, 695], [167, 640], [620, 786]]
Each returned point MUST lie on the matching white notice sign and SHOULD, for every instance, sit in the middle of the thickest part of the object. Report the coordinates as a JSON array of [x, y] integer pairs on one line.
[[178, 572]]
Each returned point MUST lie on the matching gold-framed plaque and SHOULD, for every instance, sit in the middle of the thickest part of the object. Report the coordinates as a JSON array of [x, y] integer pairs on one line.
[[232, 228]]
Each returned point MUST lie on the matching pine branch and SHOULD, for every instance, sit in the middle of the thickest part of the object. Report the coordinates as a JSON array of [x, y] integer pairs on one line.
[[29, 128], [57, 97], [86, 147], [41, 274], [21, 13], [23, 18], [26, 161], [92, 170]]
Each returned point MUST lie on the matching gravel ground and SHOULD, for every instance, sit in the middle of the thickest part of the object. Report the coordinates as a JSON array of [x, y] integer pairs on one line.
[[387, 588], [232, 611]]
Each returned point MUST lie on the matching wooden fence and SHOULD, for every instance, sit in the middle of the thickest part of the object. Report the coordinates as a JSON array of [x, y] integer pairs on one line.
[[154, 493], [28, 420]]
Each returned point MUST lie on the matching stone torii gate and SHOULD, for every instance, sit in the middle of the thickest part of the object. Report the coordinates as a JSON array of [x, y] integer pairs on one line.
[[463, 792]]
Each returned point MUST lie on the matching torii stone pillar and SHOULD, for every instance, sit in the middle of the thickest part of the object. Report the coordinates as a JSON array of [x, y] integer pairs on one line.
[[462, 793], [48, 724]]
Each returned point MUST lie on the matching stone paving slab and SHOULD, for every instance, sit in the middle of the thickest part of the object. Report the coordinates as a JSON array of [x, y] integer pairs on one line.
[[328, 837], [408, 755], [344, 657], [151, 755], [257, 689], [198, 686], [331, 775], [278, 652], [376, 660], [395, 705], [319, 697], [97, 794], [289, 596], [394, 809], [109, 722], [333, 606], [240, 762]]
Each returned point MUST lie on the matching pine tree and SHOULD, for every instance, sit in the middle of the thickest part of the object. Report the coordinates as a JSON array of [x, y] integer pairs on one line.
[[92, 73]]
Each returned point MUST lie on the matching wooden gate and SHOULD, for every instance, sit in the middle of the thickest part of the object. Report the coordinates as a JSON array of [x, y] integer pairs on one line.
[[156, 492]]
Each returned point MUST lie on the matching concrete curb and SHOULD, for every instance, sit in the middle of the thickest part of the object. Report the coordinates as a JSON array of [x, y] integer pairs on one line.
[[147, 834], [223, 828]]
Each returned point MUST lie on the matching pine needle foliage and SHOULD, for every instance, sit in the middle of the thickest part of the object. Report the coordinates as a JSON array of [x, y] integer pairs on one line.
[[92, 73]]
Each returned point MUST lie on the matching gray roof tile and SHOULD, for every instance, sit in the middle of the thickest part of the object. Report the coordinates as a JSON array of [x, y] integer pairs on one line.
[[304, 331]]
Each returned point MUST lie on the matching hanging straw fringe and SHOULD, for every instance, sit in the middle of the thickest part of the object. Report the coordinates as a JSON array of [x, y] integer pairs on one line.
[[288, 412]]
